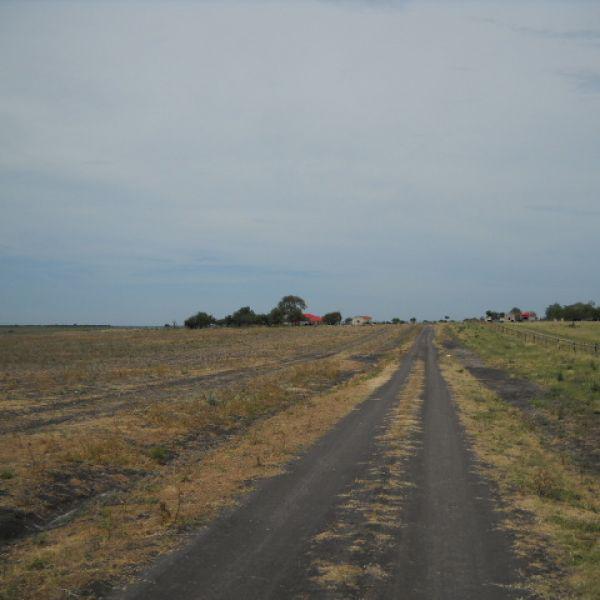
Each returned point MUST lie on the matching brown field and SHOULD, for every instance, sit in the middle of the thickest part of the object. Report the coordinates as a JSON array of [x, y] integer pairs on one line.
[[98, 418]]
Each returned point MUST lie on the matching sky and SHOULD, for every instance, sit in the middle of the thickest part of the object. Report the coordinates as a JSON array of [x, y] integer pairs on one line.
[[396, 159]]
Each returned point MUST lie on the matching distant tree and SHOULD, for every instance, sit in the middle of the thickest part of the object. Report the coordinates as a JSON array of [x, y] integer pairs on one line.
[[579, 311], [332, 318], [276, 317], [413, 320], [262, 319], [446, 318], [347, 320], [243, 317], [291, 307], [554, 311], [396, 321], [494, 315], [199, 321]]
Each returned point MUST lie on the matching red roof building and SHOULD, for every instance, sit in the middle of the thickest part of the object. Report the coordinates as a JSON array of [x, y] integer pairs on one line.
[[312, 319]]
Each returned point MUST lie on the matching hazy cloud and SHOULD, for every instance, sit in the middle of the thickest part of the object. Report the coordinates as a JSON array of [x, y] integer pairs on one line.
[[583, 34], [397, 158], [587, 82], [571, 211]]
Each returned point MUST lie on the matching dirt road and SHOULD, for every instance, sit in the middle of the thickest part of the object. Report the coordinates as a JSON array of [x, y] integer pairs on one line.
[[387, 505]]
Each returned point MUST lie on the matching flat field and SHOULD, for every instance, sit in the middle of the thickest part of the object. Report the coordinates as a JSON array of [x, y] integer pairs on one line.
[[581, 331], [92, 418], [533, 413]]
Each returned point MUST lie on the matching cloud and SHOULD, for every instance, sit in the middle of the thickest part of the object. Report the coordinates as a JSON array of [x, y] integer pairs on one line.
[[571, 211], [189, 155], [586, 82], [579, 35]]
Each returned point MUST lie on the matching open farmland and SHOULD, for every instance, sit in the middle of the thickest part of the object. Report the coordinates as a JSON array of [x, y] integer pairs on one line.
[[342, 462], [90, 419], [49, 375], [533, 413], [580, 331]]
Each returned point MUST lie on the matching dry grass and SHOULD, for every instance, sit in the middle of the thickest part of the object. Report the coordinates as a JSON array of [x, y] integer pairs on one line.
[[159, 470], [371, 514], [569, 387], [50, 467], [46, 374], [43, 364], [533, 480]]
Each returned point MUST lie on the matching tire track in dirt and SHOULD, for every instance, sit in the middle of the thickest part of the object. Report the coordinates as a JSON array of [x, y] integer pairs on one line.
[[110, 404]]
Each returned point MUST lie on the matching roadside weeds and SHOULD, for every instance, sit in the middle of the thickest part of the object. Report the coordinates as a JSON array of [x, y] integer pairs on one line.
[[553, 507]]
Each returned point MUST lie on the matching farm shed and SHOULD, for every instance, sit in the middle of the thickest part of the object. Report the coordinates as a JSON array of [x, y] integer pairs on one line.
[[525, 315], [528, 315], [362, 320], [312, 319]]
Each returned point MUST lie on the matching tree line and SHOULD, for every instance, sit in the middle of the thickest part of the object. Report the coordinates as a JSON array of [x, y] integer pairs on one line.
[[580, 311], [289, 310]]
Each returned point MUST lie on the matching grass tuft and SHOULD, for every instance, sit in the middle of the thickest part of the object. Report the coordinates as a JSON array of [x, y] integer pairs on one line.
[[160, 454]]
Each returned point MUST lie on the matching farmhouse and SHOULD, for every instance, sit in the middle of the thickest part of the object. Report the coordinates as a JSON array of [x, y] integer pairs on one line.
[[525, 315], [528, 315], [362, 320], [312, 319]]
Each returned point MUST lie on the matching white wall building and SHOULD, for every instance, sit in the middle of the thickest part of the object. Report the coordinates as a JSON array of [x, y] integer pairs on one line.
[[362, 320]]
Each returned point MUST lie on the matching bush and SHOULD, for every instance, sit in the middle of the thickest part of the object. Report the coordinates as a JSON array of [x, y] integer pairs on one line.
[[160, 454], [199, 321], [580, 311], [291, 308], [332, 318]]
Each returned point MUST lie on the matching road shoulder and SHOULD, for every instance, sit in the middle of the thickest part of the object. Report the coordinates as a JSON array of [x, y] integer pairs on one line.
[[550, 505]]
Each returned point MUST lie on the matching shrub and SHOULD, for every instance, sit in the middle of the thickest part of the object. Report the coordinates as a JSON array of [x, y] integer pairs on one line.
[[332, 318], [546, 484], [160, 454], [199, 321], [7, 474]]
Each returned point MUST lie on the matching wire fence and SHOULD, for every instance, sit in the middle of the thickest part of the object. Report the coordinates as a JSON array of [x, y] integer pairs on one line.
[[546, 339]]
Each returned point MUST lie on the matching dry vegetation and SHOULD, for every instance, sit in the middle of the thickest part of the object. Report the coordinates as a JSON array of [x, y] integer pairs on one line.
[[97, 482], [552, 496], [368, 523], [566, 404]]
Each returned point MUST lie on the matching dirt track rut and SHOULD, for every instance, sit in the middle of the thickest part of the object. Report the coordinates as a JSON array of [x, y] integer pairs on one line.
[[424, 524], [102, 405]]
